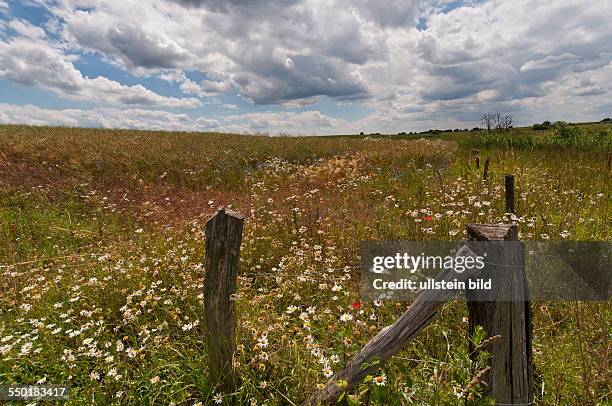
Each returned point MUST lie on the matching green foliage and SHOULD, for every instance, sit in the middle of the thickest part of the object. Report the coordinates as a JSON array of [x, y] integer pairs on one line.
[[563, 136]]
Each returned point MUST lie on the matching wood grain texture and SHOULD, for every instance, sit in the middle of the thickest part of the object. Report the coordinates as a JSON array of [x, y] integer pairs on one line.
[[389, 340], [509, 378], [223, 239]]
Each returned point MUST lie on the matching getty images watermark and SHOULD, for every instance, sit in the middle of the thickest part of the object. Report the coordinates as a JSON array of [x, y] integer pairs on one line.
[[400, 270], [421, 262]]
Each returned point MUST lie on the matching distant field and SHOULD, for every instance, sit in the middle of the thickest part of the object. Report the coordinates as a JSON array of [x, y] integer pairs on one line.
[[101, 250]]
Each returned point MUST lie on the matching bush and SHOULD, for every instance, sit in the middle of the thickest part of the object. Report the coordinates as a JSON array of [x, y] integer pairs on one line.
[[546, 125], [564, 136]]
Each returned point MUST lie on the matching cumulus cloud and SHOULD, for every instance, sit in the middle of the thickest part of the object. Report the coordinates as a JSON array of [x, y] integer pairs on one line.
[[269, 52], [534, 59], [205, 88], [307, 122], [26, 29], [37, 63], [105, 118], [290, 122]]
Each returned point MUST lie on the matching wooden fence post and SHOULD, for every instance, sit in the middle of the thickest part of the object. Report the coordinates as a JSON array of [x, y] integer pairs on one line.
[[223, 239], [485, 174], [509, 183], [505, 312], [389, 340]]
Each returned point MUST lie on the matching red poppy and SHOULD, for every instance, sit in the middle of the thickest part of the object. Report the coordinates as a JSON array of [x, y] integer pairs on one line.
[[427, 218], [356, 305]]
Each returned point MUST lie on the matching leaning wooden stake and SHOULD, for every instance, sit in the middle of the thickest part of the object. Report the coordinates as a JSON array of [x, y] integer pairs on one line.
[[223, 238], [504, 311], [389, 340], [509, 184]]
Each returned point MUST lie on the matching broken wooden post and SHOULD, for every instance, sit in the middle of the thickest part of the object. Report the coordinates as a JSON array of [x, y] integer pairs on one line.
[[223, 239], [504, 311], [485, 174], [509, 184], [390, 339]]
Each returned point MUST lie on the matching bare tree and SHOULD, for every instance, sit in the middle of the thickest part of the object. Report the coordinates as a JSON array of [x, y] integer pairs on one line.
[[502, 122], [487, 121], [497, 121]]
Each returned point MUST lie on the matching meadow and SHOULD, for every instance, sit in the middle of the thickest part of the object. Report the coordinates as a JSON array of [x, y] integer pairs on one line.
[[102, 248]]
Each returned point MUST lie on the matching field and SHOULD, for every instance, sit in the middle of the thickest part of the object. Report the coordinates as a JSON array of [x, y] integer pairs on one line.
[[102, 245]]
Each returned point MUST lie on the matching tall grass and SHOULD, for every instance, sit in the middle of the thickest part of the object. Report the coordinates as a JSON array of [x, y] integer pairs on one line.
[[101, 250]]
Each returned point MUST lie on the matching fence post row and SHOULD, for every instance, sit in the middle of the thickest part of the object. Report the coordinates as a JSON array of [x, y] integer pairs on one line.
[[223, 239], [508, 380]]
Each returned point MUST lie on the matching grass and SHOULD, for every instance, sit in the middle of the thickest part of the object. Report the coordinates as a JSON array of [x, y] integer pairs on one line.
[[597, 137], [101, 250]]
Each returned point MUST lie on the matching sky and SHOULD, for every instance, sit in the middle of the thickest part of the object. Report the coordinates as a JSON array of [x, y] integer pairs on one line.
[[303, 67]]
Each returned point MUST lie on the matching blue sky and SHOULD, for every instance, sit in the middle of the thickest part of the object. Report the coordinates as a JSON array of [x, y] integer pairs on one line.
[[302, 66]]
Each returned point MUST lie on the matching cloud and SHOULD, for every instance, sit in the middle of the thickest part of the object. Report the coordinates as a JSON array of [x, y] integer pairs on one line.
[[26, 29], [269, 52], [307, 122], [105, 118], [38, 64], [205, 88], [406, 64], [549, 62]]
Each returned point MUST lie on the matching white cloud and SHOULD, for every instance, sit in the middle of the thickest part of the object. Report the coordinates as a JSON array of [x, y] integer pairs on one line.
[[526, 57], [26, 29], [205, 88], [105, 117], [305, 122], [549, 62], [308, 122], [37, 63]]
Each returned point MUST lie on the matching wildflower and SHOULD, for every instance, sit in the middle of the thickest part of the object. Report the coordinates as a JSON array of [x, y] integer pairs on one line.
[[291, 309], [346, 317], [26, 348], [380, 380], [94, 376], [155, 379], [218, 399], [356, 305], [327, 372]]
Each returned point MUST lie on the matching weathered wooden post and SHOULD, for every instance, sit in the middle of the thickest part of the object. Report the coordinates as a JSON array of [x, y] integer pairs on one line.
[[509, 184], [504, 311], [485, 174], [223, 239]]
